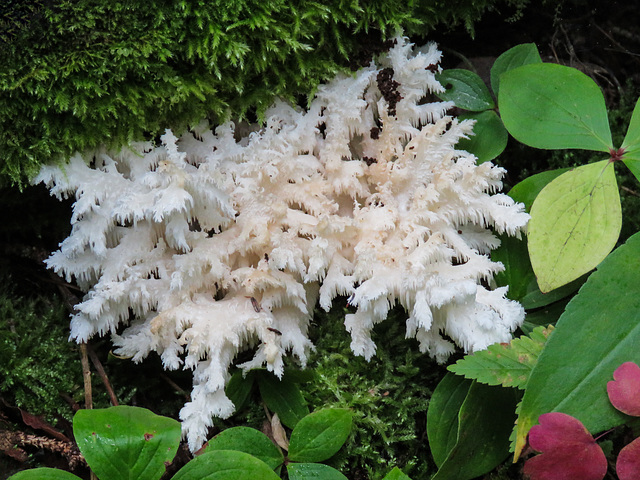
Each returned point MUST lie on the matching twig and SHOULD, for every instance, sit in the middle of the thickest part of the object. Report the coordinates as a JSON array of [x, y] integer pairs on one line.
[[103, 375], [176, 387], [86, 376], [72, 403], [628, 190]]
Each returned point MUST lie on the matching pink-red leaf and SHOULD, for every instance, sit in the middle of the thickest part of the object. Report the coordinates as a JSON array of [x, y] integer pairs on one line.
[[624, 389], [569, 452], [628, 463]]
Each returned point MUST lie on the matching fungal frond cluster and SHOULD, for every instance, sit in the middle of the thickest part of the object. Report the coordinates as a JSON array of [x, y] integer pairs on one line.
[[218, 242]]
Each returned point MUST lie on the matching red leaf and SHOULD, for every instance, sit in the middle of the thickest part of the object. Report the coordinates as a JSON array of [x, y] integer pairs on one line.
[[569, 452], [628, 463], [624, 390]]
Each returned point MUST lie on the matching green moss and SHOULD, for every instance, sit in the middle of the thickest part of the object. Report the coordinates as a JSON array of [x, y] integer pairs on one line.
[[76, 74], [389, 396], [38, 363]]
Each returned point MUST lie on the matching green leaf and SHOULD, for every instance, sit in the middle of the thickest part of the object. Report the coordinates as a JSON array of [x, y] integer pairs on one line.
[[523, 54], [535, 299], [248, 440], [506, 364], [489, 136], [239, 388], [396, 474], [313, 471], [517, 274], [631, 143], [484, 424], [575, 222], [547, 315], [528, 189], [43, 474], [126, 442], [320, 435], [283, 397], [226, 465], [545, 105], [599, 330], [466, 89], [519, 277], [513, 253], [442, 415]]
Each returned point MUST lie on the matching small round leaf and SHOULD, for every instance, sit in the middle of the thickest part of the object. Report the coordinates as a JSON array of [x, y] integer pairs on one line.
[[248, 440], [628, 462], [320, 435], [283, 396], [226, 465], [43, 474], [126, 442], [624, 390], [489, 137], [306, 471], [569, 452], [517, 56], [466, 89]]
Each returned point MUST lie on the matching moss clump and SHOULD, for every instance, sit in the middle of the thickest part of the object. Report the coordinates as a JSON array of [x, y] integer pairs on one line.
[[38, 363], [77, 74], [388, 395]]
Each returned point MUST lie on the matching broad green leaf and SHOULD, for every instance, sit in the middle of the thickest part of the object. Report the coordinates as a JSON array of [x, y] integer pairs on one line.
[[284, 398], [518, 274], [506, 364], [632, 161], [442, 415], [631, 143], [126, 442], [513, 253], [396, 474], [320, 435], [248, 440], [485, 422], [225, 465], [489, 136], [575, 222], [313, 471], [519, 277], [535, 299], [466, 89], [43, 474], [545, 105], [598, 331], [528, 189], [547, 315], [239, 388], [522, 54]]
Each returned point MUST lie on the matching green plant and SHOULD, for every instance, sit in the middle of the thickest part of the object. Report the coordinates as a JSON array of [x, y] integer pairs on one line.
[[469, 92], [575, 223], [597, 332], [129, 442], [569, 452], [388, 396], [38, 363]]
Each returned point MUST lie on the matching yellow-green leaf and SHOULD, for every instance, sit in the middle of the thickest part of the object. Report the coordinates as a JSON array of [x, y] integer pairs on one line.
[[575, 223]]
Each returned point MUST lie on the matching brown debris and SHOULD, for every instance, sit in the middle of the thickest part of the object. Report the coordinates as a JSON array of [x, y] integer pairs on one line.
[[389, 89]]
